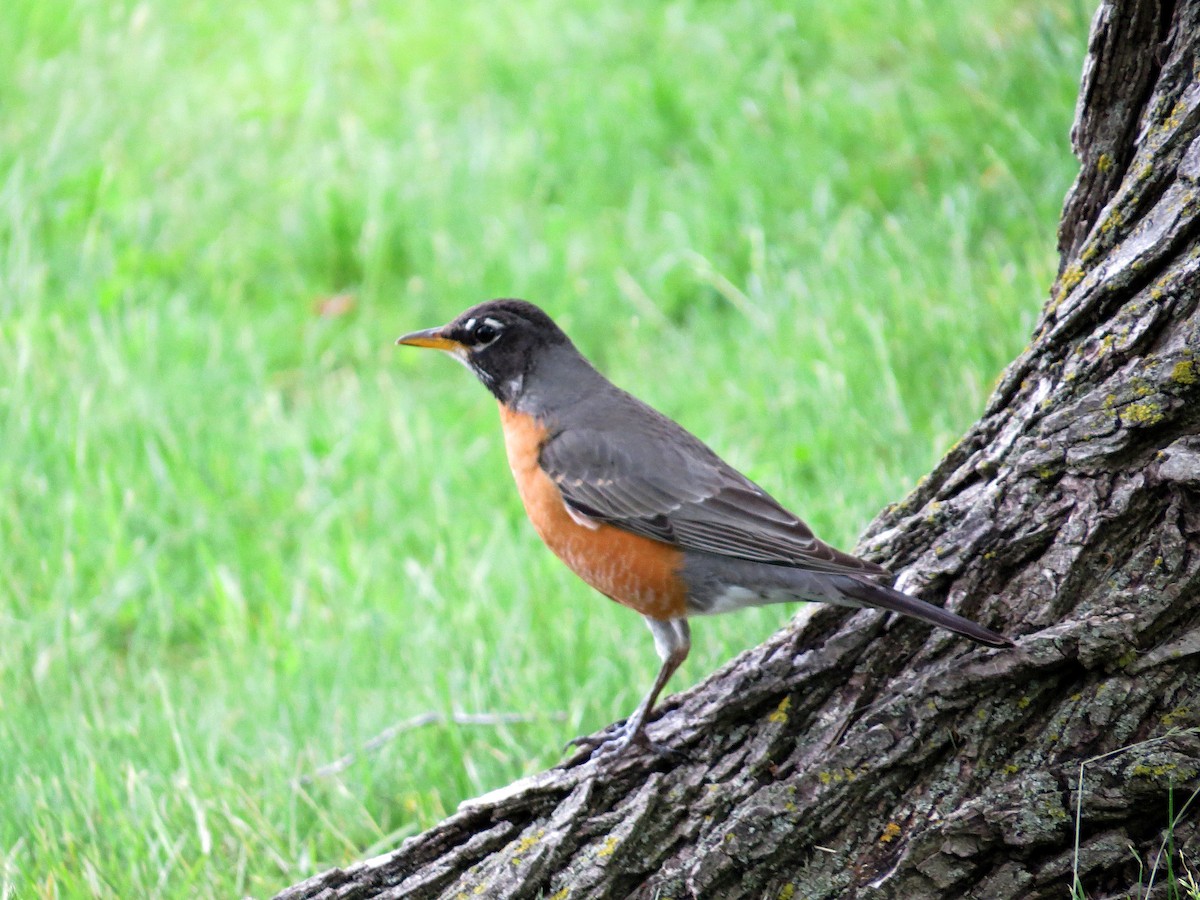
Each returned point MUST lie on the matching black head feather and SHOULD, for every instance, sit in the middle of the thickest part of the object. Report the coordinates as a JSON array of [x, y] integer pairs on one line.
[[501, 341]]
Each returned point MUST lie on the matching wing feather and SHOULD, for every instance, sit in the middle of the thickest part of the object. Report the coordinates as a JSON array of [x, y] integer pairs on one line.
[[680, 492]]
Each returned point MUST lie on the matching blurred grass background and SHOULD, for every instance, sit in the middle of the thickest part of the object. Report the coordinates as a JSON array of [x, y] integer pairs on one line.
[[238, 538]]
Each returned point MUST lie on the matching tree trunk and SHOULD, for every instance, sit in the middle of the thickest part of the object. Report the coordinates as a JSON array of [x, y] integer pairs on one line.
[[864, 756]]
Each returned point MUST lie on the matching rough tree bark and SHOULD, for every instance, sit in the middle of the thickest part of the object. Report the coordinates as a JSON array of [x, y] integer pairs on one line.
[[872, 757]]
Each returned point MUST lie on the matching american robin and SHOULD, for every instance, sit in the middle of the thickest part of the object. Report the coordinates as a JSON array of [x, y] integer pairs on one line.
[[641, 509]]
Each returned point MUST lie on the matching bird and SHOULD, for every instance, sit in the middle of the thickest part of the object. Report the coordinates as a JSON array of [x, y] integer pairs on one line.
[[641, 509]]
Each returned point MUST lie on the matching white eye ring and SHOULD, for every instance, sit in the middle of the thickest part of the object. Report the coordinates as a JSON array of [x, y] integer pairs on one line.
[[485, 333]]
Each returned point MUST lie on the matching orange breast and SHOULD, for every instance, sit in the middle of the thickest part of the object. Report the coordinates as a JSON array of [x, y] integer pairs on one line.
[[637, 572]]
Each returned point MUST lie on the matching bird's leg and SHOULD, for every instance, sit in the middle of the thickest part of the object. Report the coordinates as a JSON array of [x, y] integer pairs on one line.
[[672, 640]]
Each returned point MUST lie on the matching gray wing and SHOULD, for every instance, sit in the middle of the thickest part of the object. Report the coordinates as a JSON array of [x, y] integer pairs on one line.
[[663, 483]]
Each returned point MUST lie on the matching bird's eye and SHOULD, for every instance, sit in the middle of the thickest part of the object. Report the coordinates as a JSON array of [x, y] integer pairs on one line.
[[485, 333]]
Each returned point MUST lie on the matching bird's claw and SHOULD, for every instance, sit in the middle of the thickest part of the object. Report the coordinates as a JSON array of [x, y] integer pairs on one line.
[[614, 741], [614, 734]]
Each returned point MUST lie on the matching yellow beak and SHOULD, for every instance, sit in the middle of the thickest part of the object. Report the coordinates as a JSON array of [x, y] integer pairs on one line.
[[432, 338]]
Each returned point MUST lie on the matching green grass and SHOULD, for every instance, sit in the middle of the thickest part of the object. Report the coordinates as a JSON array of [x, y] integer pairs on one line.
[[1170, 865], [238, 539]]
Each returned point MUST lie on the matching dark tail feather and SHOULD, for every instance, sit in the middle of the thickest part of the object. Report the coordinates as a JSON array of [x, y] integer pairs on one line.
[[893, 601]]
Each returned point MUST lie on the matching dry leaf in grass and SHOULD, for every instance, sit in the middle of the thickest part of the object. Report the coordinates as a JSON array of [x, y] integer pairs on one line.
[[333, 306]]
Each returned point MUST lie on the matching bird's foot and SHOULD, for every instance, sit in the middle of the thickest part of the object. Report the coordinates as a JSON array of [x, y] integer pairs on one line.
[[616, 741], [611, 741]]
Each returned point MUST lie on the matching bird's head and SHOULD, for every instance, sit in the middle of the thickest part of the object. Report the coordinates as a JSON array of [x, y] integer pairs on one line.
[[501, 341]]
